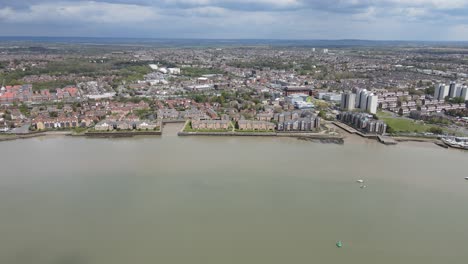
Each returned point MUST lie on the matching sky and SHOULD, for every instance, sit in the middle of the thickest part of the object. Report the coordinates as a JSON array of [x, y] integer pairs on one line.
[[433, 20]]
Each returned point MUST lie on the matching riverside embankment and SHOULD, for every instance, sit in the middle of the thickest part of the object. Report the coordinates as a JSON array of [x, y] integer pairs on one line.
[[305, 136]]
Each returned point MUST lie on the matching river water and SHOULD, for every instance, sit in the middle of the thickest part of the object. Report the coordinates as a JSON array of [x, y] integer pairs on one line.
[[210, 200]]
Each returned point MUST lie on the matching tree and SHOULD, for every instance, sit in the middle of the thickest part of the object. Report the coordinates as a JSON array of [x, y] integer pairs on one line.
[[218, 99], [320, 105], [430, 90], [200, 98], [24, 109], [456, 100], [322, 114], [436, 130], [413, 91]]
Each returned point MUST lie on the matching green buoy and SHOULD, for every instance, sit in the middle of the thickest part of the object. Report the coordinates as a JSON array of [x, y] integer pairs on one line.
[[339, 244]]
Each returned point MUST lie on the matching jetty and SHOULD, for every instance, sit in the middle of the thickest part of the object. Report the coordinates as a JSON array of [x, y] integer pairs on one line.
[[386, 140]]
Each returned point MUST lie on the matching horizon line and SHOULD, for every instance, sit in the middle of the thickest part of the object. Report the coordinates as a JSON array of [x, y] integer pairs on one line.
[[233, 39]]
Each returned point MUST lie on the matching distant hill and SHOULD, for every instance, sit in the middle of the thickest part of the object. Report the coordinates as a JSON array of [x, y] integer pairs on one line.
[[231, 42]]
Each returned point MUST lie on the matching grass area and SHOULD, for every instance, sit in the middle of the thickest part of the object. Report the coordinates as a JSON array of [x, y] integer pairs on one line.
[[207, 130], [51, 85], [382, 114], [57, 68], [3, 135], [128, 71], [79, 130], [133, 73], [402, 124], [277, 64], [198, 72]]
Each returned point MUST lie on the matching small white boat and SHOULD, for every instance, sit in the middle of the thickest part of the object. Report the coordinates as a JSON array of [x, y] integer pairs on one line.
[[363, 186], [466, 178], [360, 181]]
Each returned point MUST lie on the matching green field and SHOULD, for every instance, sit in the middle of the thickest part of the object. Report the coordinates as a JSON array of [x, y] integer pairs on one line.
[[402, 124], [198, 72]]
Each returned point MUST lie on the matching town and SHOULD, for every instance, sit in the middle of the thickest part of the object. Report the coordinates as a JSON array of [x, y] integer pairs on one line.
[[224, 131], [295, 91]]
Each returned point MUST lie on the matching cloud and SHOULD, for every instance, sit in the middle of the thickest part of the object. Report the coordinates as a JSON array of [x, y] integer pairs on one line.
[[300, 19], [85, 11]]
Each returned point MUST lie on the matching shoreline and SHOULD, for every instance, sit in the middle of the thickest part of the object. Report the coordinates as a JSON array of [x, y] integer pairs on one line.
[[10, 137], [264, 134], [341, 138], [119, 134]]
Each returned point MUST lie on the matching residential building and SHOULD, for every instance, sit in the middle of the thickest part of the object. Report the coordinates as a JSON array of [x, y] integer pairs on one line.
[[210, 124], [372, 103], [441, 91], [348, 101], [363, 99], [332, 97], [454, 90], [255, 125], [104, 126], [107, 125], [289, 90], [267, 116], [464, 93], [363, 122], [168, 114], [306, 121]]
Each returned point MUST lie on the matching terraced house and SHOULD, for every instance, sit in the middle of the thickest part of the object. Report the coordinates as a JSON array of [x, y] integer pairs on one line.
[[255, 125], [210, 124], [108, 125], [53, 123]]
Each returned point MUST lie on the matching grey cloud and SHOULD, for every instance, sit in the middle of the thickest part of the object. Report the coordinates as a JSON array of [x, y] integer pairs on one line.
[[335, 6], [397, 19]]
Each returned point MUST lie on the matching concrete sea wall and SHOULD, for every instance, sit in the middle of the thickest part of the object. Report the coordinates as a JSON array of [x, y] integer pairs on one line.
[[261, 134], [122, 134]]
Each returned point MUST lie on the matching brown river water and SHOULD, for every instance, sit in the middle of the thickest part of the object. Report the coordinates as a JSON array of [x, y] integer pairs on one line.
[[216, 200]]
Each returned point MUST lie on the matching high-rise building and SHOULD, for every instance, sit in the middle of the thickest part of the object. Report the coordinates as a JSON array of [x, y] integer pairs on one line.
[[441, 92], [459, 91], [358, 97], [464, 93], [361, 97], [437, 91], [348, 101], [372, 103], [363, 122], [363, 100], [453, 87]]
